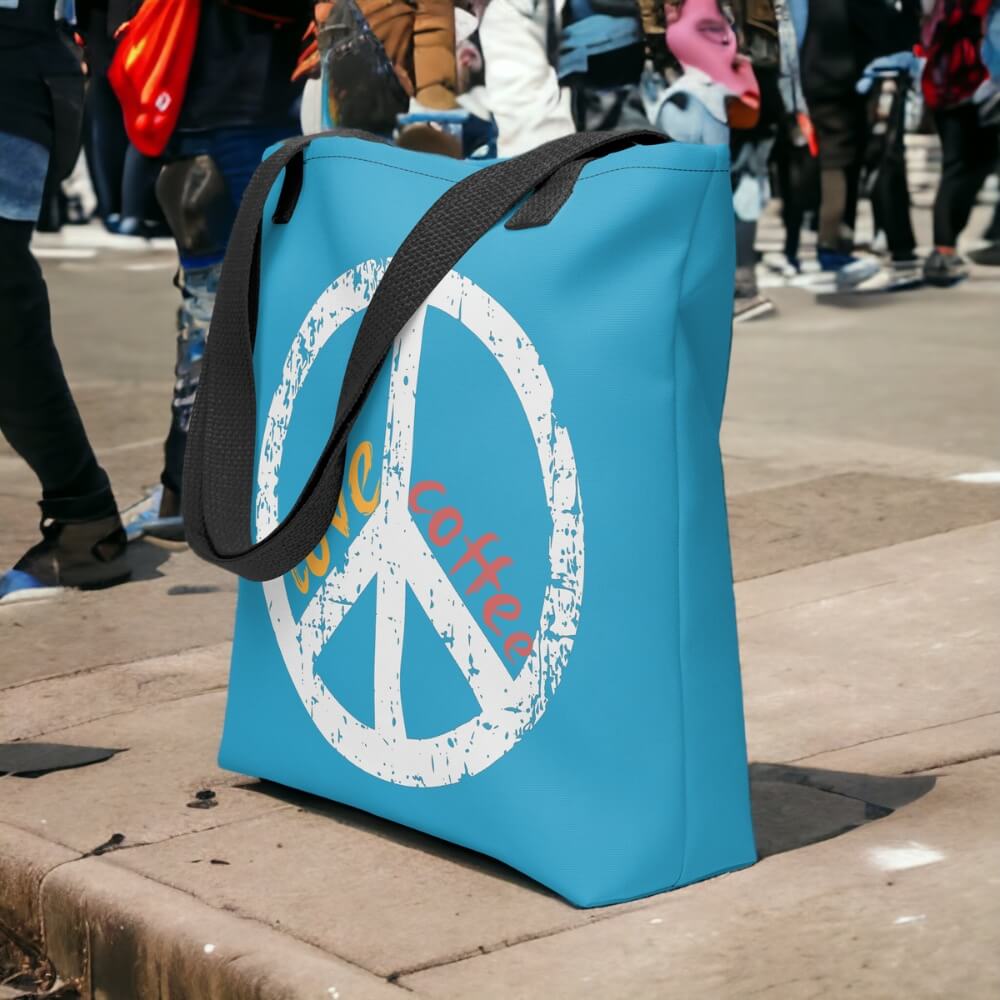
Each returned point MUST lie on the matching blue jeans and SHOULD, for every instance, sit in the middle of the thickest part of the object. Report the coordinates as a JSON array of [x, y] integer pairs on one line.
[[237, 151], [23, 166]]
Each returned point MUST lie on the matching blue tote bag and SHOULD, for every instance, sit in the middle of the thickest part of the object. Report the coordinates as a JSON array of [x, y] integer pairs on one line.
[[458, 433]]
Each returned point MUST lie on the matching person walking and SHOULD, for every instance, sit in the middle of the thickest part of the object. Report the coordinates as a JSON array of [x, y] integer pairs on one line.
[[757, 30], [886, 81], [842, 37], [41, 107], [987, 100], [954, 72], [523, 89], [240, 99]]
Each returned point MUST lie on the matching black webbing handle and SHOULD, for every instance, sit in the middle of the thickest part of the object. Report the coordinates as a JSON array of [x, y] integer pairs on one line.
[[219, 467]]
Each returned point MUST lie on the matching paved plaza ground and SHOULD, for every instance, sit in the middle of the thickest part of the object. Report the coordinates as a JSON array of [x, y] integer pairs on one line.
[[862, 448]]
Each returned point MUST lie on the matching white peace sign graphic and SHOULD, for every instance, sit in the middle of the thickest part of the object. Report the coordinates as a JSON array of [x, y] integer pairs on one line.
[[391, 549]]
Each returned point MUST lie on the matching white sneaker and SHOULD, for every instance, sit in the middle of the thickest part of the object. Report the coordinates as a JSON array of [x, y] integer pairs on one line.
[[143, 518], [750, 307], [896, 277], [850, 276]]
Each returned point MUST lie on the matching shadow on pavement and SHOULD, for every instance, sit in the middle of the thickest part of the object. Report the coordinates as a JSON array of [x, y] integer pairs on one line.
[[145, 558], [792, 807], [797, 806], [859, 300], [403, 835]]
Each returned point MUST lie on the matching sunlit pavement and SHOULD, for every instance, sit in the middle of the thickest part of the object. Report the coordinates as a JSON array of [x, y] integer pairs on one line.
[[862, 446]]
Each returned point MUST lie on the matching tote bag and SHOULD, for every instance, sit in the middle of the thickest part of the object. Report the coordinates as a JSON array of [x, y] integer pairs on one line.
[[458, 432]]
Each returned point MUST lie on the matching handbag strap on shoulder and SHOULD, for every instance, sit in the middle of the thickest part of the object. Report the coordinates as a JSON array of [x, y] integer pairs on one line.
[[218, 483]]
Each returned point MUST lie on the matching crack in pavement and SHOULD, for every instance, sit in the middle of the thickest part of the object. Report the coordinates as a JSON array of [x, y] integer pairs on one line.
[[815, 600], [112, 715], [892, 736], [83, 671], [985, 755]]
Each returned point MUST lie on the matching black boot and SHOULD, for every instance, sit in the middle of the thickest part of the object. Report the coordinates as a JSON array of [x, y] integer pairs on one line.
[[84, 554]]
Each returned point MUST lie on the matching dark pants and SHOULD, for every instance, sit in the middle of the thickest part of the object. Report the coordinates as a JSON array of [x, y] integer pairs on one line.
[[237, 153], [993, 229], [105, 143], [841, 129], [968, 157], [890, 194], [138, 186], [798, 184], [37, 413]]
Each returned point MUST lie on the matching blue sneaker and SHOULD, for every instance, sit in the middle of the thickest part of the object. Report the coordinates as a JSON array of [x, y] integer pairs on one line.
[[848, 271], [16, 585]]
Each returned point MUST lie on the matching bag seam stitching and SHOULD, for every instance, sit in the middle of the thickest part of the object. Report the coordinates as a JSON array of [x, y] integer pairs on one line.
[[677, 487], [673, 170], [438, 177]]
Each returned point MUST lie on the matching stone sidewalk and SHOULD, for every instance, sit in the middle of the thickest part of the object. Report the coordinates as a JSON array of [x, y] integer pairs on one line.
[[868, 593]]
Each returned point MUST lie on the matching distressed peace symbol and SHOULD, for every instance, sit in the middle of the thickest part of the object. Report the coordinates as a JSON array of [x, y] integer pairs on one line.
[[391, 551]]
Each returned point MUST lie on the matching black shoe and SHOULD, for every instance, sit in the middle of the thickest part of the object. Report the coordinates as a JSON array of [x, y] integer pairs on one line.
[[944, 269], [86, 554], [988, 256]]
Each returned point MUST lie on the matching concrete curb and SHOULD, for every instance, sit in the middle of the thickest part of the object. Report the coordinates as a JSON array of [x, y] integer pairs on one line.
[[127, 937]]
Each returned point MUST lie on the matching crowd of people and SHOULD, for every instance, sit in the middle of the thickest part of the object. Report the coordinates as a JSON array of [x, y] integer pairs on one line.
[[813, 97]]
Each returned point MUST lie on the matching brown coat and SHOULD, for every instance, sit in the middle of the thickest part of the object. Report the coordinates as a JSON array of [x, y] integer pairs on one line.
[[419, 38]]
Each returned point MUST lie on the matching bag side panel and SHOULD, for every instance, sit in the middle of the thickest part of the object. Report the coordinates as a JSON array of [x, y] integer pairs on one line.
[[719, 828]]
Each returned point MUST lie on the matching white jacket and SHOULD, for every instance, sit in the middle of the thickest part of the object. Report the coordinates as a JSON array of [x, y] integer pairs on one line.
[[522, 88]]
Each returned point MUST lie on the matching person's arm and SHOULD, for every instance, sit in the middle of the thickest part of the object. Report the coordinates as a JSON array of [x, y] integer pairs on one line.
[[522, 88]]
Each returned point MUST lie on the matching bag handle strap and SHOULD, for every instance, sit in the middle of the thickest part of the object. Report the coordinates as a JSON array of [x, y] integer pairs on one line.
[[219, 466]]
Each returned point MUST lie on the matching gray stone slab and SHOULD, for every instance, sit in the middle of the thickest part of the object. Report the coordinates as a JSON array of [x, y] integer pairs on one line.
[[33, 708], [328, 875], [832, 516], [920, 750], [762, 457], [915, 371], [112, 323], [379, 895], [25, 860], [896, 908], [908, 638], [129, 937], [169, 754], [175, 602]]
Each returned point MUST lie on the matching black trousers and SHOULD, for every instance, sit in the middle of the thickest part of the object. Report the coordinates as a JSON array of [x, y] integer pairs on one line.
[[37, 413], [993, 229], [841, 131], [968, 157], [104, 138], [890, 193], [798, 184]]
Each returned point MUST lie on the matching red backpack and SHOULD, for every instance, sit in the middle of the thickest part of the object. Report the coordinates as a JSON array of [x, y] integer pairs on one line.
[[952, 38], [149, 71]]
